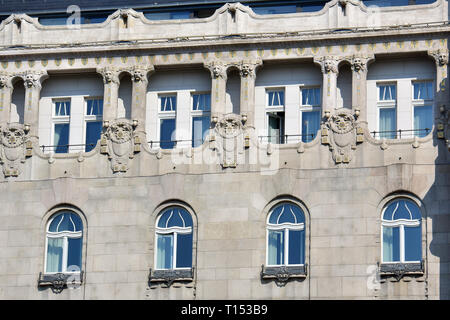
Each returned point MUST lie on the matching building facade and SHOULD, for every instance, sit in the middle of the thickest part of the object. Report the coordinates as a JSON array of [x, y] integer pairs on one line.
[[300, 155]]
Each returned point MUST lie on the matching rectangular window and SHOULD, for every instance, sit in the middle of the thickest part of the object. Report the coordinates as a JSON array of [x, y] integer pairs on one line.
[[93, 118], [387, 111], [201, 115], [423, 101], [167, 115], [310, 112], [61, 125]]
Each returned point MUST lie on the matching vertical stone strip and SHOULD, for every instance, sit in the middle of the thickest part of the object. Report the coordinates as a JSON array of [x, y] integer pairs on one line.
[[359, 66], [6, 90], [139, 78], [442, 84], [329, 66], [33, 85], [111, 92], [247, 72], [218, 88]]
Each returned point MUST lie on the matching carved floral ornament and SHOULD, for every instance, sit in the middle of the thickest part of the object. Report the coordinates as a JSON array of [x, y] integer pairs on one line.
[[341, 133], [229, 126], [119, 143]]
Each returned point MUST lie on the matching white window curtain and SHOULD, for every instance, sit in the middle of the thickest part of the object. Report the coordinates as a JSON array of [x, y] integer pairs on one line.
[[55, 249], [276, 247], [164, 251]]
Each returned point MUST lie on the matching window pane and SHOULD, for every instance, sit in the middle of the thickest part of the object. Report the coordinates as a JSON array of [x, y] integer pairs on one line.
[[61, 138], [62, 108], [94, 107], [201, 102], [54, 254], [164, 251], [423, 90], [423, 119], [74, 254], [388, 123], [276, 247], [200, 127], [184, 250], [276, 98], [287, 216], [311, 96], [387, 92], [93, 132], [66, 221], [175, 219], [413, 243], [276, 132], [296, 247], [168, 103], [167, 133], [391, 244], [310, 125]]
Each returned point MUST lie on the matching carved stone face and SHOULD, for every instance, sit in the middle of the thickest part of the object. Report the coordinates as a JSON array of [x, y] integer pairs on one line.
[[108, 76], [246, 70], [3, 80], [358, 64], [229, 127], [217, 71], [443, 58], [138, 75], [329, 66], [12, 137], [31, 80]]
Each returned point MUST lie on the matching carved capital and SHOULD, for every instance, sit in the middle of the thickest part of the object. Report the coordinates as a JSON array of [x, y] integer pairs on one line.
[[328, 64], [33, 79], [109, 74], [217, 68], [5, 80], [440, 56], [247, 68], [140, 73]]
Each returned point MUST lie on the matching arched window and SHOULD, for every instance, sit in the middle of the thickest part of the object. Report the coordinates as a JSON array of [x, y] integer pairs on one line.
[[286, 235], [401, 232], [64, 243], [174, 239]]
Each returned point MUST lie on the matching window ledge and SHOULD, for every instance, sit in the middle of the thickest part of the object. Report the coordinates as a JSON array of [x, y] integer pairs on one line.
[[398, 270], [58, 281], [170, 276], [282, 274]]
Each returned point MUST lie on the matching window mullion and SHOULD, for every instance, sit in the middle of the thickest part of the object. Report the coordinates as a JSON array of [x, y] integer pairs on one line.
[[174, 251], [286, 246], [402, 243], [65, 254]]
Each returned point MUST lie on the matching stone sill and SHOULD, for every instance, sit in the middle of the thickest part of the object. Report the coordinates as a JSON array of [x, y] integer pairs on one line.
[[399, 270], [58, 281], [282, 274], [171, 275]]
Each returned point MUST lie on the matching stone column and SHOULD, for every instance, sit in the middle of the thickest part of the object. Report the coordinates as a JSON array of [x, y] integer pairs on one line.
[[33, 85], [139, 78], [6, 89], [247, 71], [329, 66], [359, 86], [111, 92], [218, 88], [442, 83]]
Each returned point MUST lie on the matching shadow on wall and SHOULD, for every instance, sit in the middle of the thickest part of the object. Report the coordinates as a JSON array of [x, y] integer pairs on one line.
[[437, 201]]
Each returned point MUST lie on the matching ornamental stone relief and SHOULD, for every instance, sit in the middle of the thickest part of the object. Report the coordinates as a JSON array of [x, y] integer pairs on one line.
[[14, 148], [443, 125], [119, 143], [230, 140], [440, 56], [341, 133]]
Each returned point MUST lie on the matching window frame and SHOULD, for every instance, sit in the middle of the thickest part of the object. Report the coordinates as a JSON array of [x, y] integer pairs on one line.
[[173, 231], [166, 115], [386, 104], [60, 120], [401, 223], [286, 227], [423, 102], [198, 113], [310, 108], [91, 118], [65, 235]]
